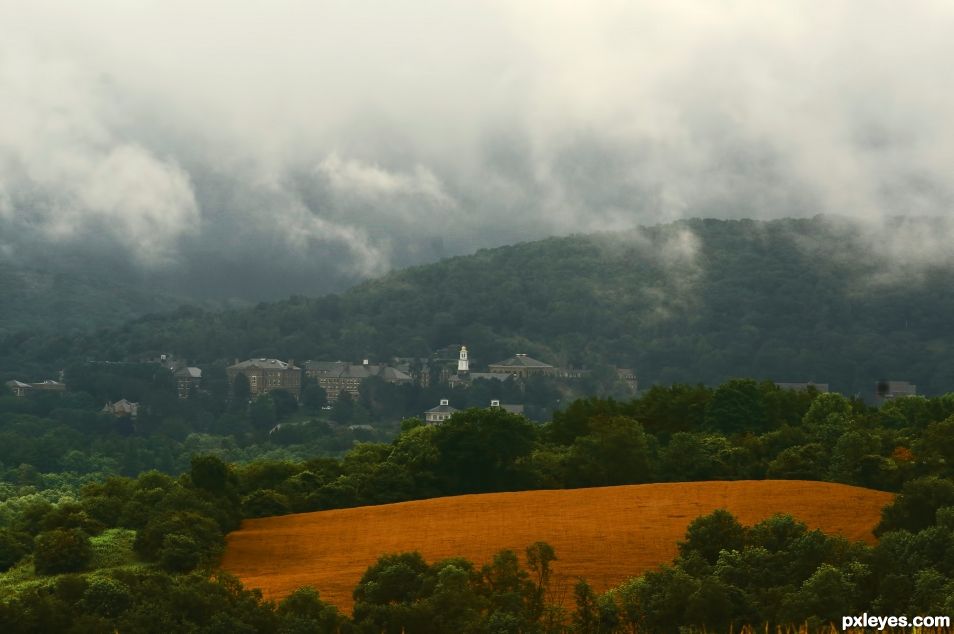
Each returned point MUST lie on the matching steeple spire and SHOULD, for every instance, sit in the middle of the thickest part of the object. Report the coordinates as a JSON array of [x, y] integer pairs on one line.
[[463, 363]]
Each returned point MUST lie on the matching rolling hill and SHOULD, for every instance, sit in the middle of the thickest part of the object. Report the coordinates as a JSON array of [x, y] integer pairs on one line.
[[605, 534], [693, 301]]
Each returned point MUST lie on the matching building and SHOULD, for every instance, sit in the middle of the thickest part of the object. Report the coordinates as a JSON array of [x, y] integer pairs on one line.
[[49, 385], [19, 388], [267, 375], [440, 413], [121, 408], [801, 387], [335, 377], [887, 390], [523, 366], [511, 408], [628, 376], [187, 381]]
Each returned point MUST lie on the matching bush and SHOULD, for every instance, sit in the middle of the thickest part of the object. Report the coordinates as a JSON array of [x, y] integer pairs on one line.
[[61, 550], [13, 546], [179, 553]]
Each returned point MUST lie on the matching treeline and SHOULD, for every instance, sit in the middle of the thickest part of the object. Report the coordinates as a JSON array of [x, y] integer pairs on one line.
[[726, 577], [145, 533], [699, 300]]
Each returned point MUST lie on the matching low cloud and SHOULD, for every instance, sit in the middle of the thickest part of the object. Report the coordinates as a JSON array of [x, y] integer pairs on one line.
[[336, 141]]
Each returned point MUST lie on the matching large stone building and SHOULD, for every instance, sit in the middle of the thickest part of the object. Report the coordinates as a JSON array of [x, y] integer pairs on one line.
[[267, 375], [336, 377], [523, 366], [188, 381]]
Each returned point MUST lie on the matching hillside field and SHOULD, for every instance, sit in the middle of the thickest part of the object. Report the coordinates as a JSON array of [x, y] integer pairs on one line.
[[605, 534]]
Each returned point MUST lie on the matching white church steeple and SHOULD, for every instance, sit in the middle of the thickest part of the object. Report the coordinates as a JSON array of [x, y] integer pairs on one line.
[[463, 364]]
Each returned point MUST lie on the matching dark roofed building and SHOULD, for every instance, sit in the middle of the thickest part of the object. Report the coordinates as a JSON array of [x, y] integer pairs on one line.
[[335, 377], [512, 408], [523, 366], [187, 381], [267, 375]]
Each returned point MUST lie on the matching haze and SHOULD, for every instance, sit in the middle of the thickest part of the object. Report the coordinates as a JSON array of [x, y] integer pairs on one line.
[[258, 149]]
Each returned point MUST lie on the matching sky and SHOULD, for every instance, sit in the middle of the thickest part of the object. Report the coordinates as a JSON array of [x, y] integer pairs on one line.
[[257, 149]]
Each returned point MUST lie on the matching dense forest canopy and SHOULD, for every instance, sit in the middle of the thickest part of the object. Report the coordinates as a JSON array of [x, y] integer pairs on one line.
[[693, 301]]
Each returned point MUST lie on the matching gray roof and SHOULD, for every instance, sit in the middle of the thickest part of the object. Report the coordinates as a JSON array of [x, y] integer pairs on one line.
[[191, 373], [441, 409], [522, 361], [263, 364], [356, 370], [19, 384]]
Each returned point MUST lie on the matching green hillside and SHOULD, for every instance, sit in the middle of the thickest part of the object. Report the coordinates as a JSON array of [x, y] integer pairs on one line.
[[46, 301], [696, 301]]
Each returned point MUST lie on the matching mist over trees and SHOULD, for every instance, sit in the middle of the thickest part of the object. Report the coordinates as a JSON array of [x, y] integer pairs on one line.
[[695, 301]]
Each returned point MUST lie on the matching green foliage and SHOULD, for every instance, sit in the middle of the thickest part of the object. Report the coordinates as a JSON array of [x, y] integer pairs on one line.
[[61, 550], [709, 535], [303, 612], [479, 450], [915, 508], [14, 545]]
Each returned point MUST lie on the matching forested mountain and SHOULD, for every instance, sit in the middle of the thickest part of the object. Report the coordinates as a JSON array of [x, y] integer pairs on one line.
[[693, 301], [47, 301]]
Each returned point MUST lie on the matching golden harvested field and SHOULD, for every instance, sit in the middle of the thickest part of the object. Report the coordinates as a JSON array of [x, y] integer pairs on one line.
[[605, 534]]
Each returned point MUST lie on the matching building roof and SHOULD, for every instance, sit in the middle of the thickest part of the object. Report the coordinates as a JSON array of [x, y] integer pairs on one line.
[[19, 384], [393, 374], [340, 369], [521, 361], [190, 373], [441, 409], [263, 364]]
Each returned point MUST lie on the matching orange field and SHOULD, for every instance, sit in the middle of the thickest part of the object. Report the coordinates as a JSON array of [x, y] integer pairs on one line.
[[605, 534]]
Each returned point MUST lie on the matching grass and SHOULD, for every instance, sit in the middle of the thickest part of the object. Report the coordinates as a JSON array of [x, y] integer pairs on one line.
[[606, 534]]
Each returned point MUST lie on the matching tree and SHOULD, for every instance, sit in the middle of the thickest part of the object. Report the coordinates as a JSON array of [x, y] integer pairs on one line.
[[710, 534], [61, 550], [479, 450], [303, 612], [915, 508], [241, 390], [539, 557], [343, 409], [614, 451], [261, 414], [737, 406], [209, 473], [14, 545], [285, 404], [314, 397]]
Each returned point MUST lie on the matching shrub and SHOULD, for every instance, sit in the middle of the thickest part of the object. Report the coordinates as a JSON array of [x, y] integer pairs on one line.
[[61, 550]]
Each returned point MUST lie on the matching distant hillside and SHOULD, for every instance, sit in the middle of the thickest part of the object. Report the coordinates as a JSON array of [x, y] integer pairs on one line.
[[605, 535], [47, 301], [694, 301]]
